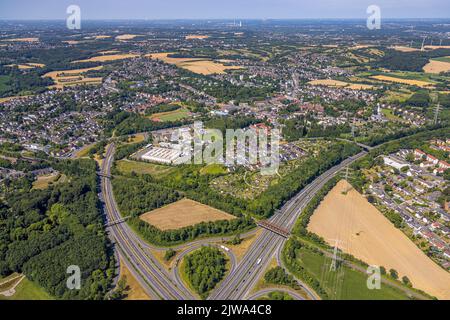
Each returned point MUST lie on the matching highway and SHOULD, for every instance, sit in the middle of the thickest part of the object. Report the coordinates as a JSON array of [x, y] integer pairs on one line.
[[148, 272], [239, 283], [158, 283]]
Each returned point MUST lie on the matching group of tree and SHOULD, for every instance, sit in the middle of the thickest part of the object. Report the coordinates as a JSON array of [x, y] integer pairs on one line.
[[43, 232], [408, 61], [14, 81], [204, 268]]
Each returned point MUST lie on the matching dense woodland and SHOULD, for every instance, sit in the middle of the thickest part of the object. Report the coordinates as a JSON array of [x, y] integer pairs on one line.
[[408, 61], [204, 268], [13, 81], [43, 232]]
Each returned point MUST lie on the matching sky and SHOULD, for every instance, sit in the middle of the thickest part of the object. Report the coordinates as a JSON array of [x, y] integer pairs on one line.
[[222, 9]]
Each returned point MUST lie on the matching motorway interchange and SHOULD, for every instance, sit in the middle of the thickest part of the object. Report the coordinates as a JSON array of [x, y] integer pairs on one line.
[[242, 277]]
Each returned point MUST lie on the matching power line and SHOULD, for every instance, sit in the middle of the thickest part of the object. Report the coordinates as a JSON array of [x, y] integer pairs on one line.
[[436, 114]]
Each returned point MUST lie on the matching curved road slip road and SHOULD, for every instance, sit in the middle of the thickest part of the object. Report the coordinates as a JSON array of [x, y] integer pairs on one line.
[[148, 272], [264, 292], [239, 283], [176, 273]]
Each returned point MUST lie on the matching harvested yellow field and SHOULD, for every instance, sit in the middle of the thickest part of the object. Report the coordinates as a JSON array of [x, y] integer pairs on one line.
[[64, 78], [206, 67], [193, 36], [134, 290], [404, 81], [26, 66], [22, 40], [436, 47], [123, 37], [404, 49], [361, 46], [328, 82], [365, 233], [110, 57], [183, 213], [109, 52], [101, 37], [71, 41], [7, 99], [436, 67], [196, 65], [359, 86], [337, 83]]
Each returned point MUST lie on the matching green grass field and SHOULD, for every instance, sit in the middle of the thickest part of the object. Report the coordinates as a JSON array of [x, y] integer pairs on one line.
[[344, 283], [28, 290], [156, 170], [390, 115], [172, 115], [443, 59], [213, 169]]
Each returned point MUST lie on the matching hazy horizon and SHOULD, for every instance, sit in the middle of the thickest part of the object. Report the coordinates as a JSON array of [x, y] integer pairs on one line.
[[223, 10]]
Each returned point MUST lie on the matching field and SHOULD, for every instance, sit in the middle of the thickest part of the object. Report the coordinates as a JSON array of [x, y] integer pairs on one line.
[[200, 66], [436, 47], [133, 290], [405, 49], [337, 83], [84, 151], [64, 78], [110, 57], [213, 169], [155, 170], [345, 283], [390, 115], [43, 182], [170, 115], [183, 213], [435, 66], [26, 66], [126, 37], [22, 40], [365, 233], [27, 290], [443, 59], [410, 82], [6, 99], [193, 36]]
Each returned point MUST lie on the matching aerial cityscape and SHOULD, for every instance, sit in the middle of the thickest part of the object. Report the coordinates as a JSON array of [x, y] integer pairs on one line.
[[237, 154]]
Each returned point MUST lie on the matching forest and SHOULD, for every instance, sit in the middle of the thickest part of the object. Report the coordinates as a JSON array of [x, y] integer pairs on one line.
[[43, 232], [408, 61], [205, 268]]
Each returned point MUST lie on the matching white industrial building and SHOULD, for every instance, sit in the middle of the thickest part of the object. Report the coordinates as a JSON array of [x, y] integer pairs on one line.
[[161, 155], [397, 164]]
